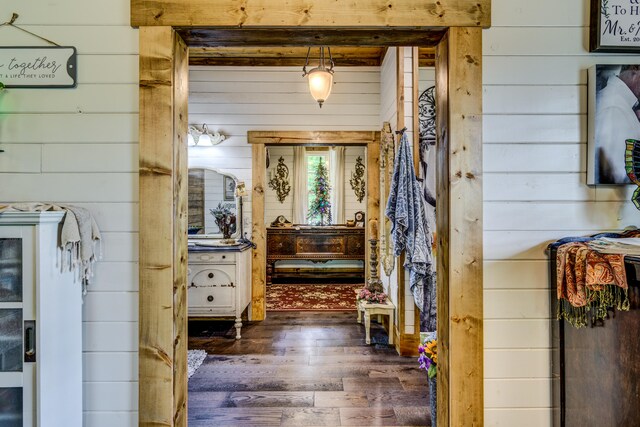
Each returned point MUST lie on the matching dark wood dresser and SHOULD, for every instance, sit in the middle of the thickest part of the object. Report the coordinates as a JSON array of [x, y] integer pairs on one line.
[[596, 369], [317, 244]]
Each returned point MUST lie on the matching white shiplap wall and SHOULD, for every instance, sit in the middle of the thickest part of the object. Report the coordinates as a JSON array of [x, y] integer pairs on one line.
[[389, 113], [535, 133], [79, 146], [236, 100]]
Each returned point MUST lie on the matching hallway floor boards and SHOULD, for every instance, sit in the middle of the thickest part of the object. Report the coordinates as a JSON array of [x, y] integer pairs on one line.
[[306, 369]]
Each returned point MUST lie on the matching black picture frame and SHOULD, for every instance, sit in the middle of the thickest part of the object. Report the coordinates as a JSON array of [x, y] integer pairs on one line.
[[229, 188], [621, 25]]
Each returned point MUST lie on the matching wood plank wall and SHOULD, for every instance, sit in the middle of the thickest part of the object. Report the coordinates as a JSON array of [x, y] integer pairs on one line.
[[534, 75]]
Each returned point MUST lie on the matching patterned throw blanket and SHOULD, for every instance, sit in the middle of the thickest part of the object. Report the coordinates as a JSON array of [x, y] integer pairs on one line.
[[590, 282], [409, 232]]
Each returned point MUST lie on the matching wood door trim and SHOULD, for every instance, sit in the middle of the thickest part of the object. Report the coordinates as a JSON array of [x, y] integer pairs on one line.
[[259, 141]]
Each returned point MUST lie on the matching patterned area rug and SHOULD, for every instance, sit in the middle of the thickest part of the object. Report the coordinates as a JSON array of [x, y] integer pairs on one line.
[[194, 360], [289, 297]]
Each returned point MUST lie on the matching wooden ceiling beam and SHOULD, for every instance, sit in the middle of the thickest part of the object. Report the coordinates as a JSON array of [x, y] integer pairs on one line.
[[301, 13], [344, 56], [240, 37]]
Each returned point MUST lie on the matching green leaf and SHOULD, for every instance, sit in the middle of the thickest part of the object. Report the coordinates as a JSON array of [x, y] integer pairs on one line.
[[432, 370]]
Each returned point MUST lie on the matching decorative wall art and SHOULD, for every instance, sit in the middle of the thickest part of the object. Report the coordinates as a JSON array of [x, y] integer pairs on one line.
[[613, 118], [615, 26], [427, 116], [280, 182], [387, 154], [357, 180], [229, 188], [633, 168]]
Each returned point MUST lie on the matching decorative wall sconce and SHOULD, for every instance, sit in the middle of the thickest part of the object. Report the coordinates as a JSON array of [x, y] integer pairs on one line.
[[357, 180], [320, 78], [204, 137], [280, 182]]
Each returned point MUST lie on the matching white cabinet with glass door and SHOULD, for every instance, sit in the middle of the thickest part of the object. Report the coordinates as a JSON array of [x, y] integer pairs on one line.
[[40, 326]]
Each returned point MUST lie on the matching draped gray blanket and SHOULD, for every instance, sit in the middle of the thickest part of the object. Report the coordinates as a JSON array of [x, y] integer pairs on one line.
[[79, 237], [410, 233]]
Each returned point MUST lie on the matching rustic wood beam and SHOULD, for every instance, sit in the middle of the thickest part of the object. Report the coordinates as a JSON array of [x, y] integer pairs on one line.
[[459, 219], [258, 234], [298, 62], [313, 137], [290, 37], [299, 13], [163, 242]]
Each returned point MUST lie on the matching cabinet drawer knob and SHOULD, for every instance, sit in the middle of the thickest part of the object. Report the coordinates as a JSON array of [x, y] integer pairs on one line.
[[210, 298], [210, 275], [224, 257]]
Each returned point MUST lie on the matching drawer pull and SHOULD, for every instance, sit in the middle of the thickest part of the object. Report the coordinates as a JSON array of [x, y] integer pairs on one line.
[[210, 298], [232, 285], [224, 257], [210, 275]]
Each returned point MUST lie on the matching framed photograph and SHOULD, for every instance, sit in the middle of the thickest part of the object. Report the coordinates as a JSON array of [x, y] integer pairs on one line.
[[615, 26], [229, 188], [614, 117]]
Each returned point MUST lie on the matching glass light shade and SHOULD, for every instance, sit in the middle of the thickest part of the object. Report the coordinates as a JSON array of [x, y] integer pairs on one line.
[[190, 141], [205, 140], [320, 83]]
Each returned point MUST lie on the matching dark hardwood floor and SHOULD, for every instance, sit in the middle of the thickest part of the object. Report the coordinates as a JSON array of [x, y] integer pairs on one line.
[[306, 369]]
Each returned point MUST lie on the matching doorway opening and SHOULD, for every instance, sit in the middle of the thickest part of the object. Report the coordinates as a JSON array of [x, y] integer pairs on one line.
[[163, 166]]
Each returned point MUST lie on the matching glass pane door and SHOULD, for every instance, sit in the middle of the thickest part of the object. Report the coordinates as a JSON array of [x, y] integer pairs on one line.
[[16, 376]]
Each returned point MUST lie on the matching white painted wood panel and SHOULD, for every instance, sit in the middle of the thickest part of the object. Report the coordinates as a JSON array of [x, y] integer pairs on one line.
[[70, 12], [110, 396], [534, 157], [535, 41], [109, 367], [517, 393], [111, 418], [513, 274], [523, 245], [119, 247], [516, 304], [541, 13], [537, 187], [535, 128], [521, 417], [110, 337], [65, 187], [95, 39], [108, 69], [559, 216], [534, 99], [524, 363], [88, 98], [18, 158], [101, 307], [513, 333], [543, 70], [70, 128], [90, 158], [115, 277]]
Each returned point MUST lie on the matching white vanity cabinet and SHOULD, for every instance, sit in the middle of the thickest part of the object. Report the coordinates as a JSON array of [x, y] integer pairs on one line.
[[219, 283], [40, 326]]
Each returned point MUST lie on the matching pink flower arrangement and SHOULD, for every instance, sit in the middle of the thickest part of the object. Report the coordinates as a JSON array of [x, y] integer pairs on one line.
[[372, 297]]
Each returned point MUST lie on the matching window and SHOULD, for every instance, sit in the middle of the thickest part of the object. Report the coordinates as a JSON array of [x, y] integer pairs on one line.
[[313, 159]]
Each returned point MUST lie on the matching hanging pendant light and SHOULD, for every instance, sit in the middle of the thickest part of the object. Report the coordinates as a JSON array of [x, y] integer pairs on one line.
[[320, 78]]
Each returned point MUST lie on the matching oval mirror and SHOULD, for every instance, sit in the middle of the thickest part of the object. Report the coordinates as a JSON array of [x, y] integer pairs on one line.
[[213, 206]]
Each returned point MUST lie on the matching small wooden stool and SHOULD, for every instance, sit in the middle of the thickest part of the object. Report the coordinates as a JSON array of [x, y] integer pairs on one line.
[[369, 309]]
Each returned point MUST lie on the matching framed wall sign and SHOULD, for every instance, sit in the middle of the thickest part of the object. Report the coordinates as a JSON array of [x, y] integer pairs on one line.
[[615, 26], [38, 67]]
